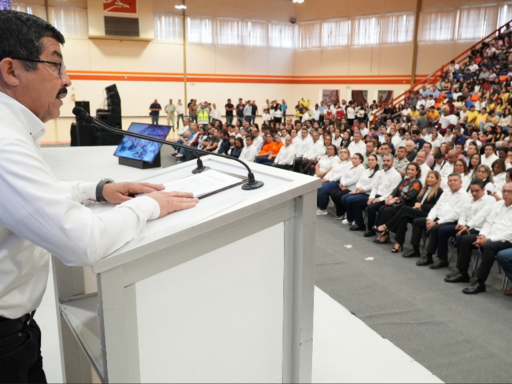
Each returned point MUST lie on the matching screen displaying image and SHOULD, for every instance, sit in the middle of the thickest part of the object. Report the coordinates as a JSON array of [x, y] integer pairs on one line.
[[138, 149], [5, 4]]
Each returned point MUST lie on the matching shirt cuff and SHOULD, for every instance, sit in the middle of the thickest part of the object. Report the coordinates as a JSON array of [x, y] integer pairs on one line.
[[88, 190], [146, 205]]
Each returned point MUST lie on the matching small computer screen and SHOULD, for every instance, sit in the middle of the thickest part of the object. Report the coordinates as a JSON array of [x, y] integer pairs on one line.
[[5, 4], [139, 149]]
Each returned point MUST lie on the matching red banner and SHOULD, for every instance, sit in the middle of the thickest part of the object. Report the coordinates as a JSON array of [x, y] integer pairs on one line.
[[128, 7]]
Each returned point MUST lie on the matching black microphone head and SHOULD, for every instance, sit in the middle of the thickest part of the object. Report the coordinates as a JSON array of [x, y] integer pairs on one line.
[[82, 116]]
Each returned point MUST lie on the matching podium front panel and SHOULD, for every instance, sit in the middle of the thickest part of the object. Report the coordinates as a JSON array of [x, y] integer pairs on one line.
[[220, 315]]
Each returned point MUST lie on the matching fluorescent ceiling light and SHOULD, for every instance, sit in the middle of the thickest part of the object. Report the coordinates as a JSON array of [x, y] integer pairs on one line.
[[183, 6], [298, 1]]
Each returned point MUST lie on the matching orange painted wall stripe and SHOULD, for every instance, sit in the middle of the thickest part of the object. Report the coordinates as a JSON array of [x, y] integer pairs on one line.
[[240, 79], [237, 75], [237, 80]]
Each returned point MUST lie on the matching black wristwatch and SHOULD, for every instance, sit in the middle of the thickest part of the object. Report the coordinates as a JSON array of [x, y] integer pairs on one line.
[[99, 189]]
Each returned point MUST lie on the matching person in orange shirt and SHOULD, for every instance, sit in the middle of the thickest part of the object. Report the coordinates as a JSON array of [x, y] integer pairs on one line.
[[263, 156], [278, 144]]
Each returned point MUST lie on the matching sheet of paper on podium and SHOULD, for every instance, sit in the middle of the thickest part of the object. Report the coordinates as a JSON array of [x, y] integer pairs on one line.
[[205, 184]]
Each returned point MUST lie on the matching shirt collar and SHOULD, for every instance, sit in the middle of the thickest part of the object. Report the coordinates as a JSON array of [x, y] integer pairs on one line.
[[31, 124]]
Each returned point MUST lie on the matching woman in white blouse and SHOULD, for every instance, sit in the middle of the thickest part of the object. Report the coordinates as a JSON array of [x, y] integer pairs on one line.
[[461, 168], [325, 163], [331, 180], [362, 190], [499, 172], [348, 184]]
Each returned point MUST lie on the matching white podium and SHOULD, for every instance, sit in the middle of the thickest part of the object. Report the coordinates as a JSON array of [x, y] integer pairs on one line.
[[219, 293]]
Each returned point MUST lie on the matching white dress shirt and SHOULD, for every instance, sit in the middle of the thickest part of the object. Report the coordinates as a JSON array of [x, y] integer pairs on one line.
[[425, 169], [258, 142], [489, 160], [327, 162], [303, 145], [474, 213], [352, 176], [249, 153], [215, 114], [338, 169], [40, 215], [385, 183], [367, 181], [354, 147], [315, 151], [286, 155], [498, 224], [449, 206], [184, 130]]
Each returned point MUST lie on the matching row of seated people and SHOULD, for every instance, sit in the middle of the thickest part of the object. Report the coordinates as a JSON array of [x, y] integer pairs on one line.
[[475, 216]]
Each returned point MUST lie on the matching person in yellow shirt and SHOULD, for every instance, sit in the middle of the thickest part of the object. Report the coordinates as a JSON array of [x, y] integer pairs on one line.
[[414, 113], [433, 116], [481, 119], [472, 115]]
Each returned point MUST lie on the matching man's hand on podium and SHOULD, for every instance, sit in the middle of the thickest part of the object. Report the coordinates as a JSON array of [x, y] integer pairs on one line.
[[117, 193], [173, 201]]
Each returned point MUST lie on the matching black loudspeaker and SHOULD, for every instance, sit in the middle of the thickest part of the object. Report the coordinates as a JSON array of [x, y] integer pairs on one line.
[[107, 138], [85, 105], [83, 135]]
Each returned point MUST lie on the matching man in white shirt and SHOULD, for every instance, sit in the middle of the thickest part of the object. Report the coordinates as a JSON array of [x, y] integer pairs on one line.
[[301, 147], [40, 215], [431, 102], [257, 139], [215, 114], [357, 145], [286, 155], [249, 151], [386, 181], [446, 211], [180, 112], [471, 221], [489, 155], [185, 129], [170, 109], [495, 235], [421, 159]]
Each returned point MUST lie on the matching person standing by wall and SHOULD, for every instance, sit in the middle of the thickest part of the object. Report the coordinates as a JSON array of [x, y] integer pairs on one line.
[[180, 109], [170, 109], [155, 109]]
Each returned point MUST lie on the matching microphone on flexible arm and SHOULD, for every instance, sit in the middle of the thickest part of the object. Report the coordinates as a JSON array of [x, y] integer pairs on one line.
[[84, 118]]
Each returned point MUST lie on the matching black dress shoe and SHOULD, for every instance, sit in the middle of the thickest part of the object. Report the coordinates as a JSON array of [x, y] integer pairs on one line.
[[411, 253], [440, 264], [424, 261], [369, 234], [476, 287], [452, 274], [457, 278], [357, 228]]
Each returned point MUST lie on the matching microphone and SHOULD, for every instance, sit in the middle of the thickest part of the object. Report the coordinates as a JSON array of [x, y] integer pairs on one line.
[[83, 117]]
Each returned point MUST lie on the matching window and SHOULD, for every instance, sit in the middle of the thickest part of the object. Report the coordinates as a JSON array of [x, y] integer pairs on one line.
[[199, 30], [228, 32], [309, 35], [366, 31], [169, 28], [397, 29], [437, 26], [505, 15], [477, 23], [71, 22], [335, 33], [255, 34], [35, 10], [282, 35]]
